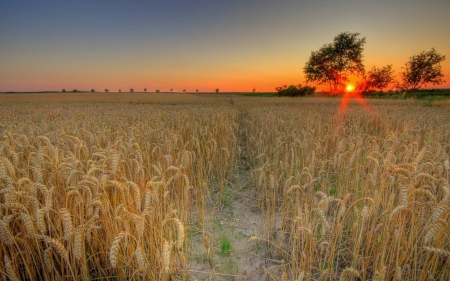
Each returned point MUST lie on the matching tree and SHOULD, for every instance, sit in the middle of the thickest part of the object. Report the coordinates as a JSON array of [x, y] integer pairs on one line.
[[92, 91], [157, 91], [379, 78], [131, 90], [63, 90], [145, 89], [196, 91], [334, 62], [171, 90], [217, 90], [120, 91], [254, 90], [106, 90], [423, 69], [184, 90]]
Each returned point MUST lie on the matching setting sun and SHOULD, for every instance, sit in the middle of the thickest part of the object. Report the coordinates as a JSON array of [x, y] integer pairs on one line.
[[349, 88]]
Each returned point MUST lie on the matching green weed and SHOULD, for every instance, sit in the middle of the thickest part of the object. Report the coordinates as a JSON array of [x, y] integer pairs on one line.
[[225, 245]]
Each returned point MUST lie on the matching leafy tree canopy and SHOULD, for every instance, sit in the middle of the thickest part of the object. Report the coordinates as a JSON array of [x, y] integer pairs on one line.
[[423, 69], [334, 62], [379, 78]]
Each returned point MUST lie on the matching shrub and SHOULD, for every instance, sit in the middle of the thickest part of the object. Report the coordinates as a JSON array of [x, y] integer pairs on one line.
[[295, 91]]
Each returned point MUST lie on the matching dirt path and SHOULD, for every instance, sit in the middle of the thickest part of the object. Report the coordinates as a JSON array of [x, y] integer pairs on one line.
[[221, 250]]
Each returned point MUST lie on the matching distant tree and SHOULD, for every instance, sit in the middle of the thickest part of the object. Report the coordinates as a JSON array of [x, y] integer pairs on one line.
[[120, 91], [171, 90], [92, 91], [423, 69], [295, 91], [184, 90], [157, 91], [196, 90], [145, 89], [379, 78], [63, 90], [106, 90], [217, 90], [254, 90], [334, 62], [131, 90], [74, 90]]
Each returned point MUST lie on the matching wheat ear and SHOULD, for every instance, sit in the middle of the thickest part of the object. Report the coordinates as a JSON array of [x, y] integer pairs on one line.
[[67, 223], [438, 251], [10, 269], [114, 251], [180, 233], [166, 257], [349, 271], [58, 247]]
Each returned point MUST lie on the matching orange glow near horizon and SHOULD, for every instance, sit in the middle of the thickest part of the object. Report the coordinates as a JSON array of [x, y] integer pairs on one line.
[[349, 88], [48, 77], [343, 106]]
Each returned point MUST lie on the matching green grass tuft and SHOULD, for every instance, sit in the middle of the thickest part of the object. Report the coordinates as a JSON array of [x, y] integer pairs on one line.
[[225, 245]]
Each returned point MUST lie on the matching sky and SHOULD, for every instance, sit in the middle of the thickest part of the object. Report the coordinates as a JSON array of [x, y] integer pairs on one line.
[[233, 45]]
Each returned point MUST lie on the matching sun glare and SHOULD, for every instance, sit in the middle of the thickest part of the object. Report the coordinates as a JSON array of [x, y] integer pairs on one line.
[[349, 88]]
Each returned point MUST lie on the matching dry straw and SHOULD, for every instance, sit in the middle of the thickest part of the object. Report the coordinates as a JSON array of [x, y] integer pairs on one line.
[[90, 190]]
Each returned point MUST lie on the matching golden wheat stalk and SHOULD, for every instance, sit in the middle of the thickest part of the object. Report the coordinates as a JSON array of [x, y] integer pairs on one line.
[[180, 233], [166, 257], [114, 250], [67, 223], [438, 251], [10, 270], [57, 246], [349, 272]]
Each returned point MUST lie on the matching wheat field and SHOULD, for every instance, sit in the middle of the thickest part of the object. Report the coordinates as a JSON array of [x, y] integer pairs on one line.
[[101, 188]]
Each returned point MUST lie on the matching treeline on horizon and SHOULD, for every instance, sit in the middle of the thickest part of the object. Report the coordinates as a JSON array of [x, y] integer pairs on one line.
[[334, 63], [290, 91]]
